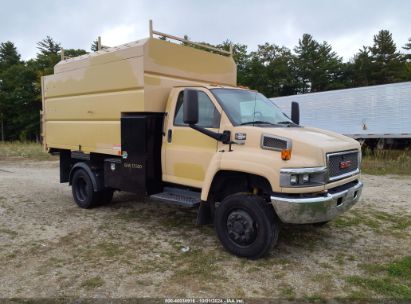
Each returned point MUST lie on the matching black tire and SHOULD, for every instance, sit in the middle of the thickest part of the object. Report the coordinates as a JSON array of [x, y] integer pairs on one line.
[[82, 189], [246, 225], [321, 224]]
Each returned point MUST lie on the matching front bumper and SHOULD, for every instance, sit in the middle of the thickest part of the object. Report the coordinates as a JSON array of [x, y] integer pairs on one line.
[[321, 208]]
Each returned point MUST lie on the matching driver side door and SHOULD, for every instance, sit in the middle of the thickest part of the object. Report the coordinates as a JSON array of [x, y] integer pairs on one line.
[[188, 152]]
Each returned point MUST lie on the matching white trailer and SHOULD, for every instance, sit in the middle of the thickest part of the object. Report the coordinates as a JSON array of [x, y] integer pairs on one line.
[[379, 115]]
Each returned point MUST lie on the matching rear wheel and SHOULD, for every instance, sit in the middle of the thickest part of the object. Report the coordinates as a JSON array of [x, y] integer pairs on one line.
[[246, 225], [83, 191]]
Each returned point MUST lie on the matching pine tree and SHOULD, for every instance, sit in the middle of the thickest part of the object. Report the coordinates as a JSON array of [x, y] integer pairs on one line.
[[386, 60], [94, 46], [270, 70], [70, 53], [48, 46], [362, 68], [8, 58], [8, 54], [19, 101], [48, 56], [407, 57], [317, 66], [407, 46]]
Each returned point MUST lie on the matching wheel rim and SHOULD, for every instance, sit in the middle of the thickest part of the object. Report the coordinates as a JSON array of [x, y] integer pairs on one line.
[[241, 227], [81, 189]]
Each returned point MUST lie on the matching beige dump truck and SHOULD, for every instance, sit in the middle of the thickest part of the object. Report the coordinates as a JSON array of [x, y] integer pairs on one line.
[[167, 120]]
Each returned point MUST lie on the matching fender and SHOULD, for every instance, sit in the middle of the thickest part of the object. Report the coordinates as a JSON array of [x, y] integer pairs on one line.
[[238, 162], [96, 177]]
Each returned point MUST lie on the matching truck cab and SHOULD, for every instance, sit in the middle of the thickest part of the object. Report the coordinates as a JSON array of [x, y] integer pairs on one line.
[[164, 129], [255, 152]]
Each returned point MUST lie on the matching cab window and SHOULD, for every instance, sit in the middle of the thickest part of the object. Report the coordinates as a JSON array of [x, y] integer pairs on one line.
[[208, 116]]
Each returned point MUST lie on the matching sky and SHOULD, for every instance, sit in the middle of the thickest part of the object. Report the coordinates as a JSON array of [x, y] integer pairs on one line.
[[346, 24]]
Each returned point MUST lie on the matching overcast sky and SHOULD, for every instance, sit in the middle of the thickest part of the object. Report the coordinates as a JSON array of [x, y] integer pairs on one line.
[[346, 25]]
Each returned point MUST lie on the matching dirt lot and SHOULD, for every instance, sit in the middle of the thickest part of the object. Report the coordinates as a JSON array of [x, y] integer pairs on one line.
[[133, 247]]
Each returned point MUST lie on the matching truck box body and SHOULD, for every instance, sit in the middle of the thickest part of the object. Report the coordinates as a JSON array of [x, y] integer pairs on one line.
[[84, 99], [381, 111]]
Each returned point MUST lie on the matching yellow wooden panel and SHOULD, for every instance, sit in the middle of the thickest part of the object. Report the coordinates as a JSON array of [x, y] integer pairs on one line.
[[110, 77], [157, 90], [169, 58], [103, 106], [121, 52], [92, 136]]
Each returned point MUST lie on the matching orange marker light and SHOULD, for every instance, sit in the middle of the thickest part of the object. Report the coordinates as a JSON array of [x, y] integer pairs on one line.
[[286, 154]]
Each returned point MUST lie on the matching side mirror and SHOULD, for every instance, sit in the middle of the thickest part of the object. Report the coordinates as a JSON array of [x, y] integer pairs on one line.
[[190, 103], [295, 112]]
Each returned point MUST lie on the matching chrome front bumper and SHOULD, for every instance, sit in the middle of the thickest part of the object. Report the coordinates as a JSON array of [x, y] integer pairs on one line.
[[322, 208]]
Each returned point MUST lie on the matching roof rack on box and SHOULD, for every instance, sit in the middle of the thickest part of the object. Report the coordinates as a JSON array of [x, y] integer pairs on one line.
[[153, 32], [161, 34]]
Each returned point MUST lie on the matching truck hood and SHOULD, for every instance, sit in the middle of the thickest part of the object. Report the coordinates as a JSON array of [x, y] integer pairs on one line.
[[327, 141], [309, 145]]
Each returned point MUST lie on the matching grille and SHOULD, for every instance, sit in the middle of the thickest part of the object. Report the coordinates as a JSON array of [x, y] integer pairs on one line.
[[274, 143], [336, 163]]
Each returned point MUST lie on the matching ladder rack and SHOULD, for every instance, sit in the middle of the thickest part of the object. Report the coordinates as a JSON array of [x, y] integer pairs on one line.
[[153, 32], [161, 34]]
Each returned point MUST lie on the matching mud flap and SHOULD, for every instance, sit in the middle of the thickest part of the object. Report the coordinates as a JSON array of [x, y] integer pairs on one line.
[[205, 214]]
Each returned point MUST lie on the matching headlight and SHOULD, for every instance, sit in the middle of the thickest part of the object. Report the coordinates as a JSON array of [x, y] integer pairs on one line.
[[303, 177]]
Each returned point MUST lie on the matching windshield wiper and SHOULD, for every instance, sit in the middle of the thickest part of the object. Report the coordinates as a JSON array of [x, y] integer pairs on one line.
[[257, 122], [288, 123]]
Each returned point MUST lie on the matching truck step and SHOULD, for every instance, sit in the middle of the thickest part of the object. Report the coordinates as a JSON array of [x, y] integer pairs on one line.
[[181, 197]]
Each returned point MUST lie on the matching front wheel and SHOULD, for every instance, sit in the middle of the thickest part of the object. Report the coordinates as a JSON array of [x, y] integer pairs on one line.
[[246, 225]]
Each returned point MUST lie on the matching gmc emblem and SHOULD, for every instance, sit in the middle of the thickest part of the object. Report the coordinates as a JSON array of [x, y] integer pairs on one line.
[[345, 164]]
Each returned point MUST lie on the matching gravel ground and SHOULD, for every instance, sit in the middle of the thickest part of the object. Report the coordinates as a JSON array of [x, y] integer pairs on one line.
[[135, 247]]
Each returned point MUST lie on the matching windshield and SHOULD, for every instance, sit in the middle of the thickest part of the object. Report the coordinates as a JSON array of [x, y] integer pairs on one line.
[[248, 108]]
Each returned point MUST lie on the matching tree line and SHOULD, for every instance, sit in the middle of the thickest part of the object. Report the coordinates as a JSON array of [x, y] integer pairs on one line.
[[311, 66]]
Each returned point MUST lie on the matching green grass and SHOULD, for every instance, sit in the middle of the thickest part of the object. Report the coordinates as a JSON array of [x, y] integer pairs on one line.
[[401, 269], [386, 162], [92, 283], [379, 221], [382, 286], [196, 264], [287, 292], [110, 249], [23, 150], [390, 280], [9, 232]]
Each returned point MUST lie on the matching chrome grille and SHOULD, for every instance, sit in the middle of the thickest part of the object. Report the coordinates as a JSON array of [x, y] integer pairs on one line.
[[342, 164]]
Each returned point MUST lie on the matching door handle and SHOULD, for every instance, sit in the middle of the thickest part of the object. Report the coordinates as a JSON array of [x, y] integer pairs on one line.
[[169, 135]]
